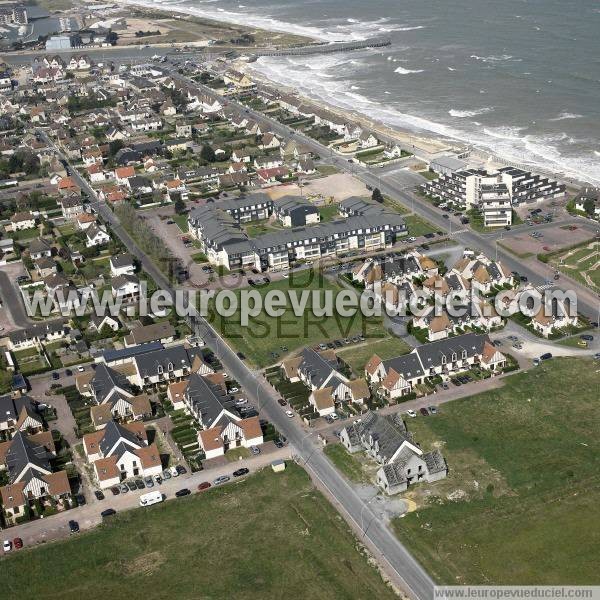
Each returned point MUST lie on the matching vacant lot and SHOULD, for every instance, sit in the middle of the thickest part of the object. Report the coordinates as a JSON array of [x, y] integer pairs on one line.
[[358, 356], [521, 504], [353, 466], [268, 338], [271, 536]]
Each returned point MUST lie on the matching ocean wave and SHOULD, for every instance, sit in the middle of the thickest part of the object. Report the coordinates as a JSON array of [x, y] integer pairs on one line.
[[511, 143], [451, 69], [410, 28], [461, 114], [566, 116], [495, 59], [404, 71]]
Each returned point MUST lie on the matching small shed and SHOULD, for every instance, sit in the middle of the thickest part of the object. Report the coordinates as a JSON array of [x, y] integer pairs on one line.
[[278, 465]]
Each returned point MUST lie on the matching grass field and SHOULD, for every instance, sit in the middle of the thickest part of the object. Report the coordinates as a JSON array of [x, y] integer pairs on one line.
[[357, 356], [347, 463], [418, 226], [270, 536], [328, 213], [266, 335], [524, 466], [182, 222]]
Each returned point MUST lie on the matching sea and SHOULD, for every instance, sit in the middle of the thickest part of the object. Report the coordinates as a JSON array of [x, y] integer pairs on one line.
[[518, 78]]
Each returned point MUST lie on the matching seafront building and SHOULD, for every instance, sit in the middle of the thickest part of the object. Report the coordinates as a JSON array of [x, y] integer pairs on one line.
[[494, 193]]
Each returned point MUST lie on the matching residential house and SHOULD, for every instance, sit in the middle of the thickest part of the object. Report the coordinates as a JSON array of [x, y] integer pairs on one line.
[[22, 220], [122, 264]]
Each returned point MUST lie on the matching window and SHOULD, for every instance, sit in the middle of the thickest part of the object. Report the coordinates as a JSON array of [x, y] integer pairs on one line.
[[160, 370]]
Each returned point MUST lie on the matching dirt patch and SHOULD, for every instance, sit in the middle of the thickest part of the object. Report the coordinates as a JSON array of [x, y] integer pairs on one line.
[[554, 238], [338, 186], [145, 564]]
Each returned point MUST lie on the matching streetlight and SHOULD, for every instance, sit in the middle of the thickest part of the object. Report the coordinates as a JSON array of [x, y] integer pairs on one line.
[[365, 504]]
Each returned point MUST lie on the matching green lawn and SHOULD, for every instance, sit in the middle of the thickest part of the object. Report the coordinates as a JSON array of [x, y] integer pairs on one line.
[[431, 175], [269, 536], [347, 463], [199, 257], [266, 334], [580, 264], [418, 226], [182, 222], [326, 170], [533, 449], [328, 213], [358, 356]]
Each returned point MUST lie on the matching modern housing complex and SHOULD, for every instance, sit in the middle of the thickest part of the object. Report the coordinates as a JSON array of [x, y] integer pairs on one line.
[[216, 227], [494, 193]]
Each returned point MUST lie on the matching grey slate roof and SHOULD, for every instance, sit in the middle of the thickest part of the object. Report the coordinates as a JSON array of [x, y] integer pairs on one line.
[[113, 432], [10, 408], [207, 400], [387, 431], [105, 380], [148, 363], [315, 367], [435, 462], [23, 451]]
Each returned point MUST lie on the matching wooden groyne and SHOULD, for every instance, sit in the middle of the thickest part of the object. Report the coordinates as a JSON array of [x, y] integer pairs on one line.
[[325, 48]]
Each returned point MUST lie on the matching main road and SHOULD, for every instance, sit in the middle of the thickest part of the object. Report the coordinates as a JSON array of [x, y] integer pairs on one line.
[[398, 563]]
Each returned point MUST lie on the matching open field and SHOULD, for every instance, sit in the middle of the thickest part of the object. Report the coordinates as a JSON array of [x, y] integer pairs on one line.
[[418, 226], [357, 356], [349, 464], [284, 540], [266, 335], [554, 238], [521, 504]]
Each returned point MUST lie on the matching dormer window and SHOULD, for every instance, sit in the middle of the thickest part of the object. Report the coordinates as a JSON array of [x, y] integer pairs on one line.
[[454, 356], [464, 354], [170, 366], [160, 370], [444, 359]]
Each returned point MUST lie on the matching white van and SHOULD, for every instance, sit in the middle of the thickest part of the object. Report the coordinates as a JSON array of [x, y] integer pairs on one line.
[[150, 498]]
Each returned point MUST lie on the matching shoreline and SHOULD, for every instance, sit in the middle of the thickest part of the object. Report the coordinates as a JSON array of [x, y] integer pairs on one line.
[[430, 143]]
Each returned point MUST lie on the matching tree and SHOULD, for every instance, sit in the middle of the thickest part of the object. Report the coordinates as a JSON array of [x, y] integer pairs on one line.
[[115, 146], [180, 206], [589, 206], [207, 154], [377, 196]]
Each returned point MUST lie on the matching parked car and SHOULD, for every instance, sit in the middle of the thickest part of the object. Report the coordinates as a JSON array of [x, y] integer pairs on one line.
[[109, 512], [204, 486], [55, 375], [124, 488], [546, 356], [7, 546], [241, 472], [73, 526], [81, 369], [139, 484], [115, 490], [255, 450], [174, 472], [432, 410], [99, 495], [586, 337], [131, 485], [424, 412], [166, 474], [241, 356], [158, 479], [279, 444], [181, 469], [183, 492], [411, 413], [68, 373], [289, 413], [80, 499], [221, 479], [18, 543], [241, 401], [282, 402], [149, 482]]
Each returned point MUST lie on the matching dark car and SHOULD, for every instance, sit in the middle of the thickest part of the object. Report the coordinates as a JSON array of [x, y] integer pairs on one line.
[[68, 372], [523, 278], [204, 486], [109, 512], [424, 412], [586, 337], [73, 526], [182, 493], [18, 543], [99, 495], [139, 484], [181, 469], [282, 402], [429, 235], [279, 444], [115, 490], [241, 356], [546, 356], [240, 472], [80, 499], [131, 485], [55, 375]]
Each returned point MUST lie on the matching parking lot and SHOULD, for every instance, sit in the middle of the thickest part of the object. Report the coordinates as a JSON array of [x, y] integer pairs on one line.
[[534, 241]]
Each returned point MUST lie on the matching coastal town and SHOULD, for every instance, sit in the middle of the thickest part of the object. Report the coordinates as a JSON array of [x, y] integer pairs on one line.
[[127, 171]]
